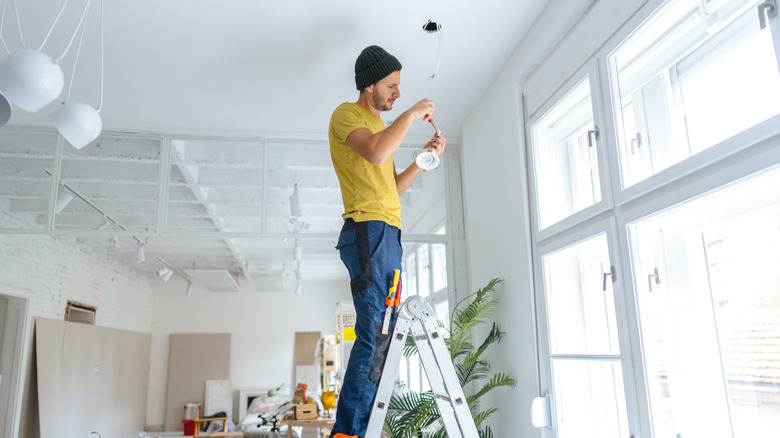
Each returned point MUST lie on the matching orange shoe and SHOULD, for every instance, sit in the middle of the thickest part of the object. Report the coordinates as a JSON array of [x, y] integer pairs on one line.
[[341, 435]]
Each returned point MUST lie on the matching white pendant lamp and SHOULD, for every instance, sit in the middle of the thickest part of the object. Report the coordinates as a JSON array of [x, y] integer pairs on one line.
[[5, 110], [30, 79], [78, 122]]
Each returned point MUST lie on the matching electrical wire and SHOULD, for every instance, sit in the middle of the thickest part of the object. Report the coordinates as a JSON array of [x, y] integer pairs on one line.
[[78, 52], [81, 21], [441, 51], [102, 54], [56, 19], [18, 23], [2, 19]]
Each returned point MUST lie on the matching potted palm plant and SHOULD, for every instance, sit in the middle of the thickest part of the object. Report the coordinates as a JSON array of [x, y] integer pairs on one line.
[[416, 415]]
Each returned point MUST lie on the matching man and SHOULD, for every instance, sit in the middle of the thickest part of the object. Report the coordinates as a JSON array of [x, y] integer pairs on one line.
[[370, 241]]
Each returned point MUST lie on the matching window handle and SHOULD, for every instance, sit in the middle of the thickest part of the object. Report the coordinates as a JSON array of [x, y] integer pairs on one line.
[[768, 9], [636, 142], [593, 136], [612, 274], [653, 278]]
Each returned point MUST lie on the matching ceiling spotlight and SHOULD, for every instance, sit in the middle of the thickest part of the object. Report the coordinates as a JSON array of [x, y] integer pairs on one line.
[[165, 272], [63, 200], [140, 255], [295, 203], [297, 250], [106, 223], [167, 275], [188, 292]]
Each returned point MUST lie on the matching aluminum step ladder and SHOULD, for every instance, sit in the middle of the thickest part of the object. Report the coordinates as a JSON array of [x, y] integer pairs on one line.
[[416, 316]]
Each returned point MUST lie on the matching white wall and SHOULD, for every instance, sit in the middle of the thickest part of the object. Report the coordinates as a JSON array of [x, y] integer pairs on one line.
[[565, 36], [262, 327], [49, 271]]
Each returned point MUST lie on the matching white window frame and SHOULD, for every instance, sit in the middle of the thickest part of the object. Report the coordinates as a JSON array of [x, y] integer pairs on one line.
[[725, 149], [752, 151], [592, 73], [569, 238]]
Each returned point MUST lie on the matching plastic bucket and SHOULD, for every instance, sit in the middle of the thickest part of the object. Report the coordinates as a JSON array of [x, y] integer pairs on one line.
[[189, 427]]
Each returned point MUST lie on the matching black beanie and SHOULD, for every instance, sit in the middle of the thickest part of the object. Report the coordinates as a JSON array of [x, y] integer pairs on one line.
[[373, 65]]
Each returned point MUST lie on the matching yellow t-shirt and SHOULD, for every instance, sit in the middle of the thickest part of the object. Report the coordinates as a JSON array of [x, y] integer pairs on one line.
[[368, 191]]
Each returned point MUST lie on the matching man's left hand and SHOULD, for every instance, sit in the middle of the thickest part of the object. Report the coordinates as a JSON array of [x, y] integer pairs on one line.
[[436, 144]]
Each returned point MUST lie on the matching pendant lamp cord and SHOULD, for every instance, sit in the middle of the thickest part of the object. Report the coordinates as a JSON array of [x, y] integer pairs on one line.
[[2, 19], [53, 24], [78, 51], [18, 23], [102, 57], [75, 32]]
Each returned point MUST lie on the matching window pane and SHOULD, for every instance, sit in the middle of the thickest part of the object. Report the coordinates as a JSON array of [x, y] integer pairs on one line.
[[25, 157], [567, 175], [439, 262], [581, 314], [590, 400], [125, 186], [410, 268], [442, 310], [423, 271], [694, 75], [415, 368], [710, 318]]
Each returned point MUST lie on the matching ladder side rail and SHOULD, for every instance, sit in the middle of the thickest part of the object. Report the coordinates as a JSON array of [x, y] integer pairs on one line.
[[387, 381], [450, 377], [432, 372]]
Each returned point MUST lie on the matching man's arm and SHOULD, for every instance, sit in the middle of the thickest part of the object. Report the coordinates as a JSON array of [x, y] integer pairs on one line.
[[377, 148], [407, 177]]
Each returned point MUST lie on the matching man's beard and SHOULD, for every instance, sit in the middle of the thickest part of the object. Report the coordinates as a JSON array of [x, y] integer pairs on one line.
[[379, 104]]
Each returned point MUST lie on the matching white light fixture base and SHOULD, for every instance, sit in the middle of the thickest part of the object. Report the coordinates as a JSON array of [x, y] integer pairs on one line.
[[427, 160]]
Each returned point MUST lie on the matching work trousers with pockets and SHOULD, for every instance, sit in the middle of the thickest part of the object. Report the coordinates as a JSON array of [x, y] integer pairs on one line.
[[370, 251]]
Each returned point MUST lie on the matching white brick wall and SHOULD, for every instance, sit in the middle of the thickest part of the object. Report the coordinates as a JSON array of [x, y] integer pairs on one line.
[[54, 270]]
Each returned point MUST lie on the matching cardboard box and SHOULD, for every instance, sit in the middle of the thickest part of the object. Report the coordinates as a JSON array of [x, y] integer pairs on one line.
[[307, 411]]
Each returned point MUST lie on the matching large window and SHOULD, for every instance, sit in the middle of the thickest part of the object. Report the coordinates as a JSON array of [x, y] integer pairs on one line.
[[657, 240], [565, 157], [424, 274], [584, 350], [708, 287], [695, 74]]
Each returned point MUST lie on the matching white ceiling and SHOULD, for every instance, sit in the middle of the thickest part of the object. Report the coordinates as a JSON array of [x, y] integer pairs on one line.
[[237, 83]]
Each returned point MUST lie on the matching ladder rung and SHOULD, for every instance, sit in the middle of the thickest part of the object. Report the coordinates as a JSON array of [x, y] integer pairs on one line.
[[441, 396]]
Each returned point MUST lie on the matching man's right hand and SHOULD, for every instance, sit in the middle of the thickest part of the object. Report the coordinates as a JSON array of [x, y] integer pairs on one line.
[[422, 110]]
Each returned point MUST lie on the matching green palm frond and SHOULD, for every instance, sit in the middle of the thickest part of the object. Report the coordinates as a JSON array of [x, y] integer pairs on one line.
[[441, 433], [498, 379], [479, 371], [486, 433], [482, 416], [409, 401]]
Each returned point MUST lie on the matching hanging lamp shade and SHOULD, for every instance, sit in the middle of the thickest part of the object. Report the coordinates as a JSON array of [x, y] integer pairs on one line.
[[5, 110], [78, 122], [30, 79]]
